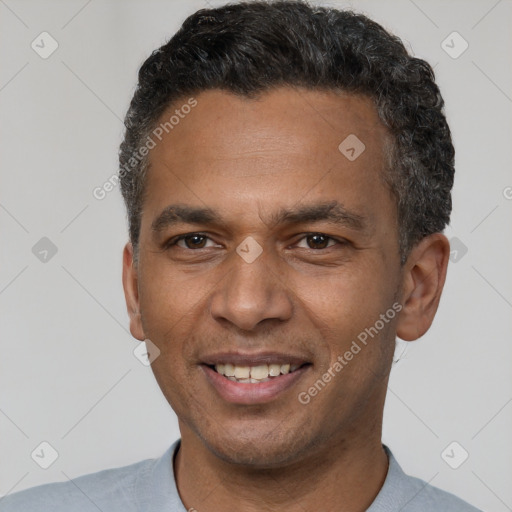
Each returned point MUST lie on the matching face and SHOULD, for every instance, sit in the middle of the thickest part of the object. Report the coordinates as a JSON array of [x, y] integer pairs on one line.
[[264, 248]]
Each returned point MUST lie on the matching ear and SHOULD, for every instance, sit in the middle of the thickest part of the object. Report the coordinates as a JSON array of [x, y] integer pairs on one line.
[[424, 275], [131, 292]]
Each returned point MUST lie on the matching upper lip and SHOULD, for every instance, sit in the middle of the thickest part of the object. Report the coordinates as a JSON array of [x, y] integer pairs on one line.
[[241, 359]]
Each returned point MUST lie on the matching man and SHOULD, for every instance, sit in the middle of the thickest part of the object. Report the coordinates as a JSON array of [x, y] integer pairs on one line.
[[287, 173]]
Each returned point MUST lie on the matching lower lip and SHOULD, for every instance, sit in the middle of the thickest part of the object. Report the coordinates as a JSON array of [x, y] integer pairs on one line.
[[256, 393]]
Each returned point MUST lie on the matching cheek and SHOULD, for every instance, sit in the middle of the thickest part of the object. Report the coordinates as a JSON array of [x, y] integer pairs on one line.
[[345, 303], [166, 312], [358, 345], [168, 297], [173, 369]]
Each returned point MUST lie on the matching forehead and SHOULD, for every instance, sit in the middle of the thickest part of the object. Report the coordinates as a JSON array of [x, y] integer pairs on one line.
[[231, 151], [299, 122]]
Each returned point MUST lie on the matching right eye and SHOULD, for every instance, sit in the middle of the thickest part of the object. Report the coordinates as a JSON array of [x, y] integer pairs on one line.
[[190, 241]]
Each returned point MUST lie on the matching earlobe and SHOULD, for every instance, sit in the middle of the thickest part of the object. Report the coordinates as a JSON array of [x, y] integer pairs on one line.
[[131, 292], [423, 280]]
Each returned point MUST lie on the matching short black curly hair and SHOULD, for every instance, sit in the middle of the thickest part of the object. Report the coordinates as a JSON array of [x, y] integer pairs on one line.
[[251, 47]]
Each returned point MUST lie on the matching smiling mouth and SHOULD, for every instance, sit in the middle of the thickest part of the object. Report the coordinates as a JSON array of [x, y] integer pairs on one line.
[[255, 374]]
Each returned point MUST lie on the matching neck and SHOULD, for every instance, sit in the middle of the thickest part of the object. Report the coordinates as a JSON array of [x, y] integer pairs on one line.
[[344, 476]]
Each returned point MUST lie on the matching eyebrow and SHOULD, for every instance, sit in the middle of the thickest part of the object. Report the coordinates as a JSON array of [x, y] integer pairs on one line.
[[333, 212], [175, 214]]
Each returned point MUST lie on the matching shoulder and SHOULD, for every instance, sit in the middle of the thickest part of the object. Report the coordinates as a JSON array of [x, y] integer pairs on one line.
[[111, 489], [425, 497], [408, 494]]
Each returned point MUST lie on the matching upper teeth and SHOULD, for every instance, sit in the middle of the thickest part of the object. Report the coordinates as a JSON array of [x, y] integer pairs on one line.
[[258, 373]]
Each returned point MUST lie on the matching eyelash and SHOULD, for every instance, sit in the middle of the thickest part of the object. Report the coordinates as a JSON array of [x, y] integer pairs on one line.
[[174, 241]]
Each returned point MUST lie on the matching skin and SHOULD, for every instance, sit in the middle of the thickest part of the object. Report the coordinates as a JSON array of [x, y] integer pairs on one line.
[[248, 159]]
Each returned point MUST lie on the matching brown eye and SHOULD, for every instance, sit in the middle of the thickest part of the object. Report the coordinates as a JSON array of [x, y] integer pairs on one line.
[[195, 241], [318, 241]]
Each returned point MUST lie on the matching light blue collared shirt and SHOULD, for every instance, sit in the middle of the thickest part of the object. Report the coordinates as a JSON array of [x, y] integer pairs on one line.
[[149, 486]]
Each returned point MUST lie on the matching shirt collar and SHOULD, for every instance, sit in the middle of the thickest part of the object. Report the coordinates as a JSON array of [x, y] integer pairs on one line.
[[157, 490]]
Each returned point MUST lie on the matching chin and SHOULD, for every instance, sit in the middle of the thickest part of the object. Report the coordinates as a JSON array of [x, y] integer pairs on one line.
[[258, 448]]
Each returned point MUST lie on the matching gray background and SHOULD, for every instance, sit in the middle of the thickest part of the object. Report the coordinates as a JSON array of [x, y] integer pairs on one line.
[[67, 372]]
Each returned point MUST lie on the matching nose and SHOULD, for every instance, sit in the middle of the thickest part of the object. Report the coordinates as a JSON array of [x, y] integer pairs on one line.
[[251, 294]]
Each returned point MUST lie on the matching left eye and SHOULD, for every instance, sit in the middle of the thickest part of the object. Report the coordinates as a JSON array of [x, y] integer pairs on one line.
[[317, 241]]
